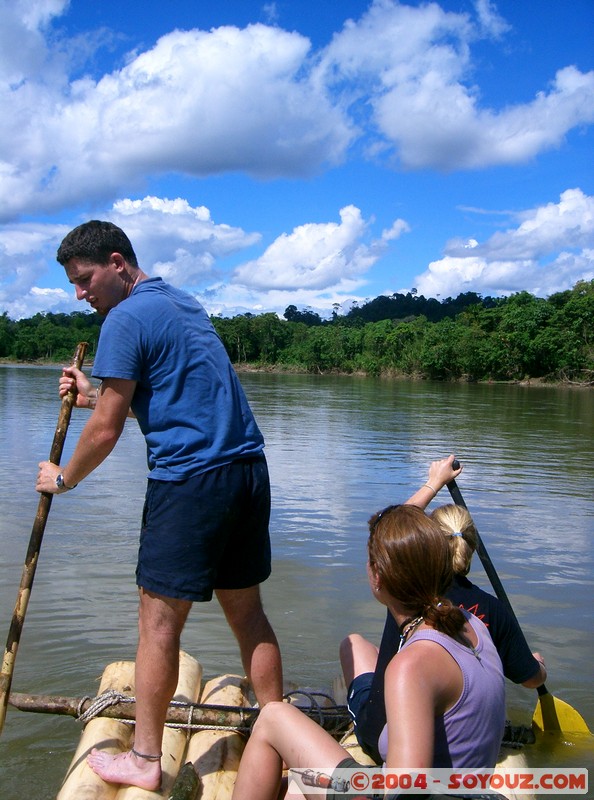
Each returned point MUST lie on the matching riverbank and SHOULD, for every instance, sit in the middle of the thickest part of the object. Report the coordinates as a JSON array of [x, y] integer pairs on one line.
[[395, 375], [385, 375]]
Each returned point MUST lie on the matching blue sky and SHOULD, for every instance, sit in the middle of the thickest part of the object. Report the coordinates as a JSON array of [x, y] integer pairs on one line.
[[296, 152]]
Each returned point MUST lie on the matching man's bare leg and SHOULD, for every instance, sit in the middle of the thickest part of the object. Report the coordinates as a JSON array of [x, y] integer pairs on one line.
[[160, 623], [260, 653]]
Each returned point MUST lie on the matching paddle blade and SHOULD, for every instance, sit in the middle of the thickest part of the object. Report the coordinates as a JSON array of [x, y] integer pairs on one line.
[[552, 714]]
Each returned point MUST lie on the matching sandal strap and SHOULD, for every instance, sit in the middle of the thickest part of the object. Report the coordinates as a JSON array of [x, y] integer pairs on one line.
[[145, 756]]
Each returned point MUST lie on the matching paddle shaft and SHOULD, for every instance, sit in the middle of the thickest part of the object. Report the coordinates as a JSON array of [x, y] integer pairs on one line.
[[30, 565], [456, 495]]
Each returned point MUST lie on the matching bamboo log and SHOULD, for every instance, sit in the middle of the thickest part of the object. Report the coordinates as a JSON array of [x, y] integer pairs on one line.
[[115, 736], [215, 754], [81, 783], [174, 740]]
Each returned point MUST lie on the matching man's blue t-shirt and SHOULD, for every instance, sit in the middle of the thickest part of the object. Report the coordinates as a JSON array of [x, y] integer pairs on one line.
[[189, 402]]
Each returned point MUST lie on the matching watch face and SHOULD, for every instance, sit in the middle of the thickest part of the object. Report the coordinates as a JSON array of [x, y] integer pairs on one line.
[[60, 481]]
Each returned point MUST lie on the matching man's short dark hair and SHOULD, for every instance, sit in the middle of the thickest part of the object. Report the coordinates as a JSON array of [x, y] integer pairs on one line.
[[95, 241]]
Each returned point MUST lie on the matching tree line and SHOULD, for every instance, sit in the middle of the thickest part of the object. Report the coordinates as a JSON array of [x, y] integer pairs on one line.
[[464, 338]]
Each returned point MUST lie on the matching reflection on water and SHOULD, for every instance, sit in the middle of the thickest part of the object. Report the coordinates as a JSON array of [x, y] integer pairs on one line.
[[338, 448]]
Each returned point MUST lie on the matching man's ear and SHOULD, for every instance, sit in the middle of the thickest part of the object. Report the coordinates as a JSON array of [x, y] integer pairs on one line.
[[118, 260]]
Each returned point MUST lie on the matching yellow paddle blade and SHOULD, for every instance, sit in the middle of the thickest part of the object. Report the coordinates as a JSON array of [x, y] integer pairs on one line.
[[552, 714]]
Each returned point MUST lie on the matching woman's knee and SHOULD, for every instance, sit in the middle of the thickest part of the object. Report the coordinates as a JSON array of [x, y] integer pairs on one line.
[[270, 718]]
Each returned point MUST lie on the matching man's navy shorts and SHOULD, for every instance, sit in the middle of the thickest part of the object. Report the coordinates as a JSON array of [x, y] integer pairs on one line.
[[207, 532]]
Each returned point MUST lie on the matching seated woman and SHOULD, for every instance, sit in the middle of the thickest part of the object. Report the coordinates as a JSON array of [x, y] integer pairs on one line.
[[364, 667], [445, 695]]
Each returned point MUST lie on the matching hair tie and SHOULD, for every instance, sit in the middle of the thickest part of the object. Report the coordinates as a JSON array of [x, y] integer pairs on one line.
[[457, 533]]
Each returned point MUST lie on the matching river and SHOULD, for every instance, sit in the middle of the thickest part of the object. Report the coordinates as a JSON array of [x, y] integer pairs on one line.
[[339, 448]]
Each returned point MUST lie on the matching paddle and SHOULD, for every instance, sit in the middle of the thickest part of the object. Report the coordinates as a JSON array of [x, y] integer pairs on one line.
[[45, 502], [551, 713]]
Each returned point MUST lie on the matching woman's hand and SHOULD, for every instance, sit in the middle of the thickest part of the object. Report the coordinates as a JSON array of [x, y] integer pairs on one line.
[[442, 472]]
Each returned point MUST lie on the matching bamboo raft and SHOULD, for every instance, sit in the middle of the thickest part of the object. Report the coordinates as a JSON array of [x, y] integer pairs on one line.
[[205, 734]]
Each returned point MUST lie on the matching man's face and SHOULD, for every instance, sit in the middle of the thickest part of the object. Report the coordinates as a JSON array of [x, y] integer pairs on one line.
[[103, 286]]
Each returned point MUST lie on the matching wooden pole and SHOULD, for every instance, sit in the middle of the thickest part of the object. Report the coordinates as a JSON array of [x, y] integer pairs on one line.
[[45, 501], [192, 715]]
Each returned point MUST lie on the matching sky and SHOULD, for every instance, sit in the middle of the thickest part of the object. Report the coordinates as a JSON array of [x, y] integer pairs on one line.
[[298, 152]]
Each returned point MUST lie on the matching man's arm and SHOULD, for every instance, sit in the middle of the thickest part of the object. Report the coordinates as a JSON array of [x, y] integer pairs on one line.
[[540, 676], [97, 440]]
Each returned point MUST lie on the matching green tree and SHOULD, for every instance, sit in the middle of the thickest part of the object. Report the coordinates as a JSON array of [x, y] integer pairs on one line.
[[404, 345], [440, 351], [570, 337], [7, 333], [521, 319], [270, 335]]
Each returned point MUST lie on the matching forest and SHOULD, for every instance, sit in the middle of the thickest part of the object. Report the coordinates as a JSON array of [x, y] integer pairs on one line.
[[469, 337]]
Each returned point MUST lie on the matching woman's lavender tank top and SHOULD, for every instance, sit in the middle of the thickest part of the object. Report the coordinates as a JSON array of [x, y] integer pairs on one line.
[[468, 736]]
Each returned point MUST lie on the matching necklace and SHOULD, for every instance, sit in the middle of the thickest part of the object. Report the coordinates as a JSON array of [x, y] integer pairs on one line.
[[408, 629]]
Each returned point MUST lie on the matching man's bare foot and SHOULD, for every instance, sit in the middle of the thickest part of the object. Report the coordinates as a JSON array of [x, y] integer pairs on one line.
[[126, 768]]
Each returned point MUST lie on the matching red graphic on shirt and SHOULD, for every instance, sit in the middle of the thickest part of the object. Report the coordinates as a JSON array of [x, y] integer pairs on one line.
[[475, 611]]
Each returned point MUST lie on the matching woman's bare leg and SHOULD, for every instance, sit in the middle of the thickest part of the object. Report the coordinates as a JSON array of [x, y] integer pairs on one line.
[[283, 733]]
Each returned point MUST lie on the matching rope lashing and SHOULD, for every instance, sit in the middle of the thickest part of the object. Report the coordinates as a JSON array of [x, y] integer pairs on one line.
[[321, 713], [108, 698]]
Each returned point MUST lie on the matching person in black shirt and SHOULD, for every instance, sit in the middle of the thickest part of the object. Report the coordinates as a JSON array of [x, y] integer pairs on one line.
[[364, 666]]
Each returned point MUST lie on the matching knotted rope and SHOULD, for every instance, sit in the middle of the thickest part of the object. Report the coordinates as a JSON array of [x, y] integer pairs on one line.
[[98, 704]]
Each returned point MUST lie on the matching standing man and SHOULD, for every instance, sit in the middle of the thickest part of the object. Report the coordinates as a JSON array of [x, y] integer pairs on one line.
[[207, 505]]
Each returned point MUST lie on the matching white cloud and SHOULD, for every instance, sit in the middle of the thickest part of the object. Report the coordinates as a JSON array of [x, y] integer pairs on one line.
[[177, 241], [546, 229], [230, 299], [24, 51], [25, 250], [490, 20], [257, 100], [171, 238], [318, 256], [414, 65], [401, 80], [315, 265], [196, 103], [40, 301], [38, 13], [550, 250]]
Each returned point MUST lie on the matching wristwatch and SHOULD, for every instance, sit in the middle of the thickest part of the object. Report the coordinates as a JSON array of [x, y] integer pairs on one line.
[[61, 485]]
